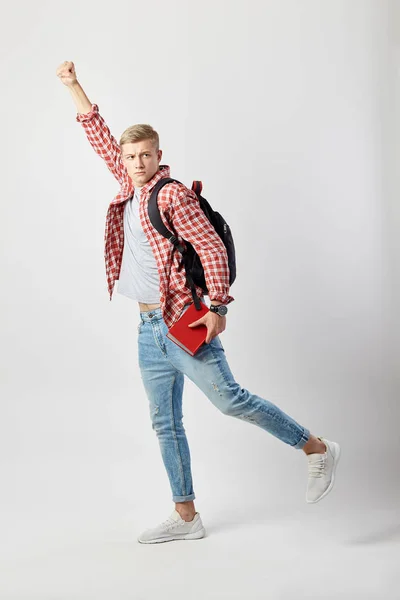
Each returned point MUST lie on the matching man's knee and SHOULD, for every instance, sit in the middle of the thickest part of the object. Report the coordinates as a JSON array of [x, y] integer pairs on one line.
[[232, 400], [164, 423]]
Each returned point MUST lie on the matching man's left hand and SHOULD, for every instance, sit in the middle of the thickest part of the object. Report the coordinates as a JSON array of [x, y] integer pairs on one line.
[[215, 324]]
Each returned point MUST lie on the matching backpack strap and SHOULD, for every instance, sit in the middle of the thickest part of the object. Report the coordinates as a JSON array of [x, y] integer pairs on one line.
[[154, 213], [197, 187]]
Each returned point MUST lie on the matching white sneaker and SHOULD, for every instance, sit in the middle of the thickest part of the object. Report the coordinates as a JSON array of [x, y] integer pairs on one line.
[[174, 528], [321, 471]]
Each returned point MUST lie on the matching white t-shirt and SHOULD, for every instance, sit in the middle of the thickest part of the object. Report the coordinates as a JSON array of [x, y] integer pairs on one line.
[[138, 278]]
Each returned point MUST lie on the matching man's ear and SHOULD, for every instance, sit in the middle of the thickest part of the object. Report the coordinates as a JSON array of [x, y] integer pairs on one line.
[[159, 155]]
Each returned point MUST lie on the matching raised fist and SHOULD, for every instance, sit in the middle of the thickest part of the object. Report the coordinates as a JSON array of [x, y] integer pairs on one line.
[[66, 72]]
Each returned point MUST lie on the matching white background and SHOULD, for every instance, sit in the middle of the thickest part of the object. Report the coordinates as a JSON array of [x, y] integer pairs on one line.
[[288, 111]]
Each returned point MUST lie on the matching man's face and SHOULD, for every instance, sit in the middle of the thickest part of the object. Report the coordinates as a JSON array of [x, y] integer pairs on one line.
[[141, 160]]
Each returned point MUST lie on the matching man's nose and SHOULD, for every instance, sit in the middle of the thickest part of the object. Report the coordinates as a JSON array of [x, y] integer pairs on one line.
[[138, 162]]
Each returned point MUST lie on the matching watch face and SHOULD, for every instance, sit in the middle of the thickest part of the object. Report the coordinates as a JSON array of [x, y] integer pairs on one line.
[[222, 310]]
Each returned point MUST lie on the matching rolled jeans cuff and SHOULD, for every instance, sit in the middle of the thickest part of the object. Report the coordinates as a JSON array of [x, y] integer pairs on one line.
[[183, 498], [303, 440]]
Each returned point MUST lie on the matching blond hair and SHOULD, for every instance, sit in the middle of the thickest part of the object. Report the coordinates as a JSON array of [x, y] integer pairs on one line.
[[138, 133]]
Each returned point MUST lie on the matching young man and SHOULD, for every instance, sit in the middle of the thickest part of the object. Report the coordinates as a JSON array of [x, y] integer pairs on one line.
[[146, 268]]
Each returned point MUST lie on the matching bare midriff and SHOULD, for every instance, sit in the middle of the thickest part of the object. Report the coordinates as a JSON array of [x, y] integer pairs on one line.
[[146, 307]]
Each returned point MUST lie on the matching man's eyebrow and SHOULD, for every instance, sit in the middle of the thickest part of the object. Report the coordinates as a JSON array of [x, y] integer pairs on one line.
[[143, 152]]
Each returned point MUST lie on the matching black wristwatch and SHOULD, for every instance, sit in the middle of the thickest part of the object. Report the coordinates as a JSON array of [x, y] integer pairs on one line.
[[220, 309]]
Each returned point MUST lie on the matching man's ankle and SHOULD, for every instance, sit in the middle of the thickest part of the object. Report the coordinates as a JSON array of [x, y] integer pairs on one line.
[[186, 515], [186, 509], [314, 446]]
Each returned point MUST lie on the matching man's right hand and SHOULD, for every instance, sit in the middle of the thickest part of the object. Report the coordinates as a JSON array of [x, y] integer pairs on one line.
[[66, 72]]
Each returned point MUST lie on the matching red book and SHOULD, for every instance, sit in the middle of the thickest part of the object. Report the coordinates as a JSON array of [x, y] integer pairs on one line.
[[189, 338]]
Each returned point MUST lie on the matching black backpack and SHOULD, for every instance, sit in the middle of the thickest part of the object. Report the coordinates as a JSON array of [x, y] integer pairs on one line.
[[190, 259]]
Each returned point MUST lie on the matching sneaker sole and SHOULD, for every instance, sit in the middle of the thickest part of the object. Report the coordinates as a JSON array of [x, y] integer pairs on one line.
[[336, 453], [185, 536]]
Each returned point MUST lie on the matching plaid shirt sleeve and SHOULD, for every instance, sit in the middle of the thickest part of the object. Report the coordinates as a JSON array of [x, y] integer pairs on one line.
[[103, 142], [190, 223]]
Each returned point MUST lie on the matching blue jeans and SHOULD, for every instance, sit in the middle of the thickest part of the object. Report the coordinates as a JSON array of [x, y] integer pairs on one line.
[[163, 365]]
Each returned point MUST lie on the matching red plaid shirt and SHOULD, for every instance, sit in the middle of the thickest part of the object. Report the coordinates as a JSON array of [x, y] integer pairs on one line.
[[178, 206]]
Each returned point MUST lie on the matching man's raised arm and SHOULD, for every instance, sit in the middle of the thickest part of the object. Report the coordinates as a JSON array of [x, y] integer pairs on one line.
[[97, 132]]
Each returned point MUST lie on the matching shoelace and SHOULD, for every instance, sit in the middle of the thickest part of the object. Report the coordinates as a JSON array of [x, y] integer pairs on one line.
[[169, 523], [316, 469]]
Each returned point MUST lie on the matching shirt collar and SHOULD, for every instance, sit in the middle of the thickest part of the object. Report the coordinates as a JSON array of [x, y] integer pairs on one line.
[[164, 171]]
